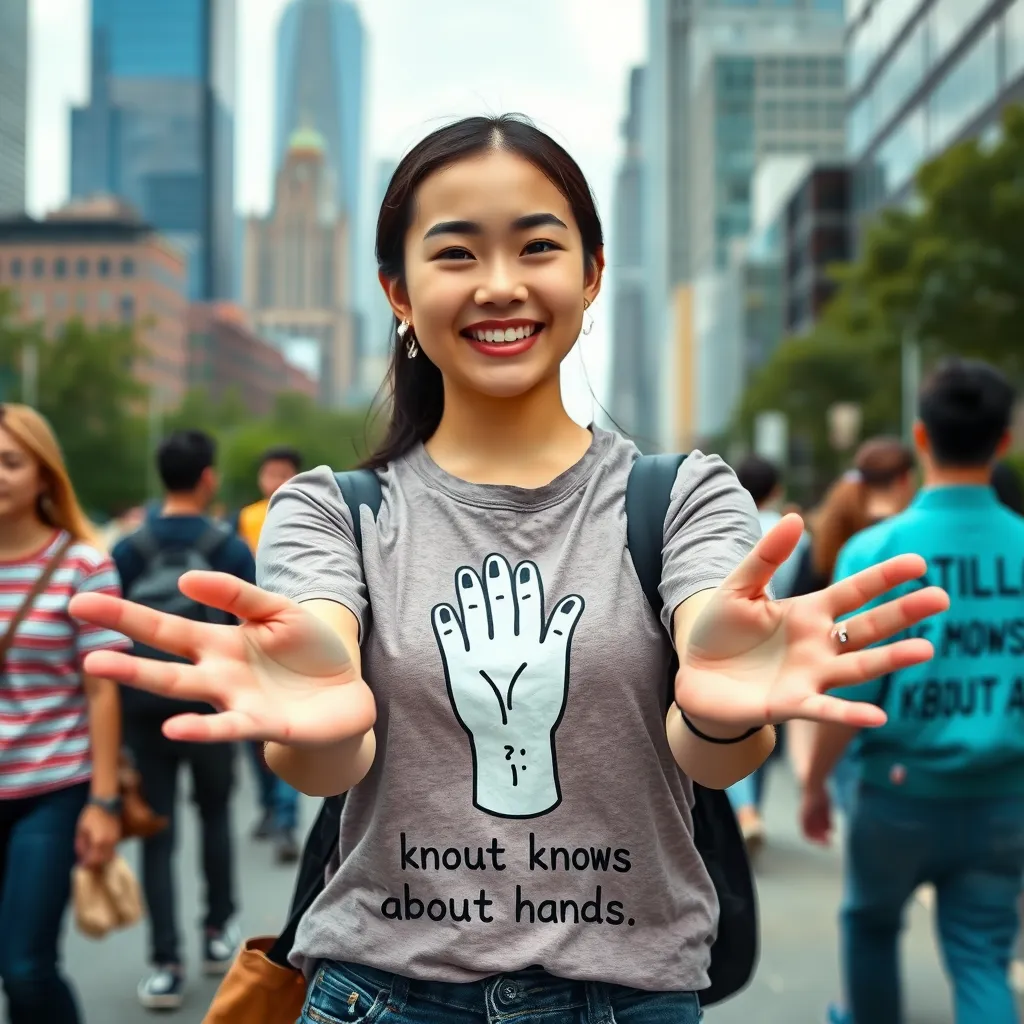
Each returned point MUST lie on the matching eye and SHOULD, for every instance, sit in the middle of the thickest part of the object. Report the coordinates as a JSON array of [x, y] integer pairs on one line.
[[455, 253], [541, 245]]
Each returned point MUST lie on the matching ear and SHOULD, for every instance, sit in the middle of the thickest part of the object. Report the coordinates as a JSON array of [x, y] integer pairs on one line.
[[1004, 445], [593, 277], [922, 442], [398, 298]]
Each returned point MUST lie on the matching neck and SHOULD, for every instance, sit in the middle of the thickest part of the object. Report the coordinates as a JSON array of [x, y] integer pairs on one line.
[[183, 505], [22, 536], [947, 476], [514, 440]]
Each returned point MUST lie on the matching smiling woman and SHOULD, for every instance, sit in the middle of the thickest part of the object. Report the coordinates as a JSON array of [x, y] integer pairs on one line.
[[477, 666]]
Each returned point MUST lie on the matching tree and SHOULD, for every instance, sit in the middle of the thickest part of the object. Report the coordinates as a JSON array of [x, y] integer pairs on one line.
[[87, 391]]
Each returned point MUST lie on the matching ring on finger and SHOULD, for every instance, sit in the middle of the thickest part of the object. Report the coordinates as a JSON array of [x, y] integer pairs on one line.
[[839, 633]]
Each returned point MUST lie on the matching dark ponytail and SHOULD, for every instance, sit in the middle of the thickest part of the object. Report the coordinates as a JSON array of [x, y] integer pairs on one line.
[[414, 388]]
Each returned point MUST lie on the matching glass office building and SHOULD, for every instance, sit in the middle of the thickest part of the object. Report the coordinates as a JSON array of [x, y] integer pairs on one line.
[[159, 127], [13, 103], [924, 74]]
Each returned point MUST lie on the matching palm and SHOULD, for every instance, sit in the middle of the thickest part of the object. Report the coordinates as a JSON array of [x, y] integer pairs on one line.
[[282, 675], [751, 660]]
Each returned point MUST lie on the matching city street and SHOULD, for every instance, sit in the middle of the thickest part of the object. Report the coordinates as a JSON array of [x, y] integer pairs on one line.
[[797, 976]]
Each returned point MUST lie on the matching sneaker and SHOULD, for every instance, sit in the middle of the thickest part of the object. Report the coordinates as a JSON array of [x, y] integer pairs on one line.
[[220, 949], [287, 848], [164, 989], [264, 827]]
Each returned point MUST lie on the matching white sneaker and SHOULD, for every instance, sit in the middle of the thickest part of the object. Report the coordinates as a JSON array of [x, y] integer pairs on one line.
[[220, 949], [164, 989]]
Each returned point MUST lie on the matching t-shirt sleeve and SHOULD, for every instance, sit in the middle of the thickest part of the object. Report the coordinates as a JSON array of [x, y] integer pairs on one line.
[[307, 549], [99, 578], [710, 527]]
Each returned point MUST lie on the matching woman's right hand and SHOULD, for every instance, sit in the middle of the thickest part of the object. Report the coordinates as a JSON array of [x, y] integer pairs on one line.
[[282, 675]]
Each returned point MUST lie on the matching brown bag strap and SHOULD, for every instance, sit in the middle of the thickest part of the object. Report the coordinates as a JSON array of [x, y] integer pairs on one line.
[[7, 641]]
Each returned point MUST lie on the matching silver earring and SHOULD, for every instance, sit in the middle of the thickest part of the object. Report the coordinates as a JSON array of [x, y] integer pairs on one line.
[[590, 319], [411, 348]]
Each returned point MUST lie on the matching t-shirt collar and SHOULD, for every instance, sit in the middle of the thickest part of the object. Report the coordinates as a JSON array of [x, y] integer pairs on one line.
[[955, 496]]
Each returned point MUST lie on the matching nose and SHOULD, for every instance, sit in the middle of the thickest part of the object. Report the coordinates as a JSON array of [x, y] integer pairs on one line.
[[501, 285]]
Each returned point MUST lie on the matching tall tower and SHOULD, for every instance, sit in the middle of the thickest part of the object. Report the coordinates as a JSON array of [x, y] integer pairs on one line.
[[158, 130], [13, 103]]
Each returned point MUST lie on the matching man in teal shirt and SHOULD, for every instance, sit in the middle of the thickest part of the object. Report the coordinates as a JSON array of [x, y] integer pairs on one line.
[[941, 793]]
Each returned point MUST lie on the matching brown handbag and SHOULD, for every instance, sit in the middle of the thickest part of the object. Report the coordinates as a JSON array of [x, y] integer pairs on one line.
[[258, 991]]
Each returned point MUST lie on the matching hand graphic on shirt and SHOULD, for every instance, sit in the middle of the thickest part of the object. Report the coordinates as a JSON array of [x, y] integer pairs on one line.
[[507, 671]]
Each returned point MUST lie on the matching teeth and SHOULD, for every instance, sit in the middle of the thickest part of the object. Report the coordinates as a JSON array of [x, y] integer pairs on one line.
[[502, 337]]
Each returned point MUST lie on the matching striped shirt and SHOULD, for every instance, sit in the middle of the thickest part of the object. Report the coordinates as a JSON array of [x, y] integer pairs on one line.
[[44, 722]]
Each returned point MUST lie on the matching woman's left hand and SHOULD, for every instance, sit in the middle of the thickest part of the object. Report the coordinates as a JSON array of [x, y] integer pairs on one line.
[[96, 836], [751, 661]]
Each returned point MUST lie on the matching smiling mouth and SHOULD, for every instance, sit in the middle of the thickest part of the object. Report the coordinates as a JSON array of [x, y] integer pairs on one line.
[[503, 337]]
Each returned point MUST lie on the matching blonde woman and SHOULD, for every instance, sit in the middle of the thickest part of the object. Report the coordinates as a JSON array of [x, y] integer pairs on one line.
[[60, 728]]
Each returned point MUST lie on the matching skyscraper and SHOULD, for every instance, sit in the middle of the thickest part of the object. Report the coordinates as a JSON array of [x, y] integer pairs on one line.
[[13, 103], [159, 127], [320, 86]]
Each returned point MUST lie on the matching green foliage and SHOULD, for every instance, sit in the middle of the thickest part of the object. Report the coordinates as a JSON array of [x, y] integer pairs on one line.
[[948, 273]]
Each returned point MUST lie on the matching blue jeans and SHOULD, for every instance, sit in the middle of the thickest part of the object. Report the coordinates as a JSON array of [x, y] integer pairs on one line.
[[277, 798], [37, 853], [972, 851], [352, 994]]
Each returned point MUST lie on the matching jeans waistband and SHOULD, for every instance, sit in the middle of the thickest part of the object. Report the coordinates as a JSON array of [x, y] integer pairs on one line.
[[532, 988]]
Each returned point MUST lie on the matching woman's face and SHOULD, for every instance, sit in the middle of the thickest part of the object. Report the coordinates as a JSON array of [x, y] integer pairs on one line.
[[495, 275], [21, 482]]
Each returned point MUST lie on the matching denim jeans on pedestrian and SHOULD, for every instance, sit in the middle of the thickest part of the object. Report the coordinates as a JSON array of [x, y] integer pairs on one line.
[[159, 761], [37, 853], [355, 994], [277, 798], [972, 851]]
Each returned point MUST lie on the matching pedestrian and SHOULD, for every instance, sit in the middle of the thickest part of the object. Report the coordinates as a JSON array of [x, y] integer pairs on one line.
[[762, 480], [880, 484], [941, 793], [60, 726], [279, 802], [486, 680], [176, 537]]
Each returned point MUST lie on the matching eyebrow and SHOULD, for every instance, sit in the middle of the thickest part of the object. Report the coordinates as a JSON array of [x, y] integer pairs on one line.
[[471, 227]]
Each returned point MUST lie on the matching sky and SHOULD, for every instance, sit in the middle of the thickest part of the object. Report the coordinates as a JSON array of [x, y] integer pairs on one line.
[[565, 63]]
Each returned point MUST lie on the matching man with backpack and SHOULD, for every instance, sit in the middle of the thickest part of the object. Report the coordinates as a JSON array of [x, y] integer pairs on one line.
[[941, 793], [150, 561]]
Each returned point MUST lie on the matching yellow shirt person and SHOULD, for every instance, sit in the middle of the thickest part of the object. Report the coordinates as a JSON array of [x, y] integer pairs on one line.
[[277, 467]]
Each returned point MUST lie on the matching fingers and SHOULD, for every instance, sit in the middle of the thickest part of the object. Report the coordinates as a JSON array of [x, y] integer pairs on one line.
[[232, 595], [225, 727], [472, 603], [821, 707], [167, 678], [170, 633], [529, 600], [893, 617], [754, 573], [500, 596], [448, 631], [852, 593], [563, 620], [862, 666]]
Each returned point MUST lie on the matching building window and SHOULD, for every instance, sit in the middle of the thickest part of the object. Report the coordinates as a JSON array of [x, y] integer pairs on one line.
[[60, 301], [902, 153], [127, 267], [38, 267], [970, 86], [902, 74], [127, 308], [17, 267], [38, 304], [1013, 33], [949, 20], [82, 267], [104, 267], [81, 302], [860, 126], [60, 267], [104, 302]]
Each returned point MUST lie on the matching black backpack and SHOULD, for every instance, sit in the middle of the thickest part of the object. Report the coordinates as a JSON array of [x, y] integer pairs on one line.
[[716, 832]]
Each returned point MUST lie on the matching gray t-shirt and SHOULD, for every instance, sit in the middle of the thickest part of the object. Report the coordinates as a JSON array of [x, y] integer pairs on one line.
[[523, 807]]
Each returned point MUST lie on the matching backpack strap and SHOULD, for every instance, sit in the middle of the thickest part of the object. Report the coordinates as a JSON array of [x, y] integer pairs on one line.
[[648, 493], [212, 537], [145, 543], [360, 487]]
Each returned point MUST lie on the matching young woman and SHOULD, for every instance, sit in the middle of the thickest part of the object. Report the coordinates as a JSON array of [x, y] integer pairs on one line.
[[487, 680], [59, 725]]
